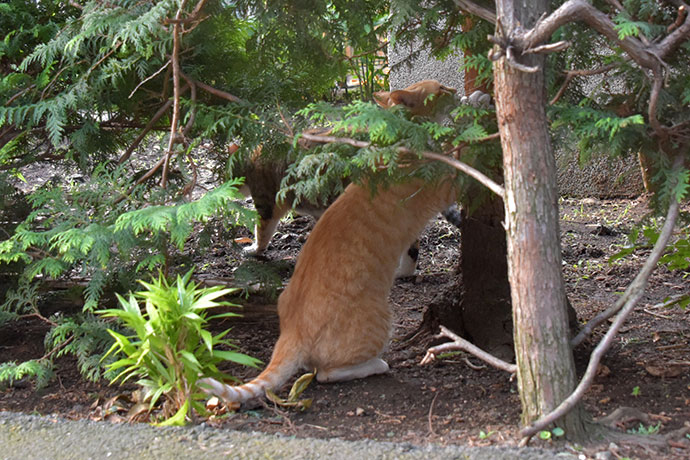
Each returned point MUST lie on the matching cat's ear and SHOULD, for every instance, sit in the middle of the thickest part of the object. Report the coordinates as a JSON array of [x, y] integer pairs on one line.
[[383, 98]]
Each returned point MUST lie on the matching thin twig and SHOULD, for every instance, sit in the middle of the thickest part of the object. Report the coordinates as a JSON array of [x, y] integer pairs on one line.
[[472, 366], [192, 111], [657, 83], [149, 126], [635, 288], [570, 74], [510, 59], [215, 91], [469, 170], [165, 66], [658, 315], [367, 53], [175, 61], [632, 296], [20, 94], [38, 315], [458, 343], [431, 413], [54, 79], [57, 348], [290, 131], [548, 48]]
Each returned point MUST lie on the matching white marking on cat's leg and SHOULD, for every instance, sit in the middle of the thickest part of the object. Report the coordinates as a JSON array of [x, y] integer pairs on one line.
[[263, 232], [406, 266], [408, 261], [358, 371]]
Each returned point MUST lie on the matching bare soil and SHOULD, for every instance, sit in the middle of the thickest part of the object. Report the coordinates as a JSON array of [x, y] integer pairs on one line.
[[451, 401]]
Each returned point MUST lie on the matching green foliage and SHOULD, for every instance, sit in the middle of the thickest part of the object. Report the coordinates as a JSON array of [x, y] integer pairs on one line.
[[385, 133], [676, 255], [646, 430], [169, 347], [547, 435], [486, 434], [39, 370], [89, 228], [596, 129], [84, 336], [256, 275]]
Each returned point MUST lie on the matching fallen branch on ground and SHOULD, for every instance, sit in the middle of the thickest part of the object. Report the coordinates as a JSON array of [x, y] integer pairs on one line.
[[458, 343]]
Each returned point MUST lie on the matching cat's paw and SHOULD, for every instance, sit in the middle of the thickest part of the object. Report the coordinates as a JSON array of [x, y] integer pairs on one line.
[[253, 250]]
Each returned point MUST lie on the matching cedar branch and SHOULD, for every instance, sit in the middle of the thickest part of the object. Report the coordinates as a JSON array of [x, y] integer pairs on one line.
[[460, 166]]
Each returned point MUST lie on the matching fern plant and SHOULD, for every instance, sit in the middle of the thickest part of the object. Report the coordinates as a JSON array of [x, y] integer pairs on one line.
[[169, 347], [88, 230], [83, 230]]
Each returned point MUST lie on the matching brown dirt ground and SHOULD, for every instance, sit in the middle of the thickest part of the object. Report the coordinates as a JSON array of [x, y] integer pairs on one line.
[[648, 367]]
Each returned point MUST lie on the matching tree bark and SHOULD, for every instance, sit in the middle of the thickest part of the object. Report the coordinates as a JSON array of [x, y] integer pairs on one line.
[[546, 369]]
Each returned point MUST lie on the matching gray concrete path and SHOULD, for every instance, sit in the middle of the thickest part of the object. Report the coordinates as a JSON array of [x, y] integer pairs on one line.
[[26, 437]]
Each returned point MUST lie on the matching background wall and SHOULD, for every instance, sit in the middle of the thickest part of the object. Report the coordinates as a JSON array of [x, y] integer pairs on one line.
[[602, 177]]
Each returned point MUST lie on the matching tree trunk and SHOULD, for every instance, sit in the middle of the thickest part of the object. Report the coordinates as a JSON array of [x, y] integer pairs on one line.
[[477, 305], [546, 369]]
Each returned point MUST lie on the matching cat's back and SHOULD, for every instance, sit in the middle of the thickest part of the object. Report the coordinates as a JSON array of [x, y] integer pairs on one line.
[[357, 243]]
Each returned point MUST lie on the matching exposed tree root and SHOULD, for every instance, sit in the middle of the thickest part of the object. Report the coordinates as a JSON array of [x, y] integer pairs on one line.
[[623, 415]]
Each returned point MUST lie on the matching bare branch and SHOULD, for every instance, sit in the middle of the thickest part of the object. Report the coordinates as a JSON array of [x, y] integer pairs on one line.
[[469, 170], [570, 74], [175, 61], [657, 83], [616, 4], [682, 13], [215, 91], [20, 94], [368, 53], [550, 48], [675, 38], [477, 10], [628, 301], [510, 59], [192, 110], [335, 140], [459, 343], [55, 78], [574, 10], [149, 126]]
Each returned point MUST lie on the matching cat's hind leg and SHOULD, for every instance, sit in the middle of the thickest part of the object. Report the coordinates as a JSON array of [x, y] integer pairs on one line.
[[408, 261], [266, 226], [358, 371]]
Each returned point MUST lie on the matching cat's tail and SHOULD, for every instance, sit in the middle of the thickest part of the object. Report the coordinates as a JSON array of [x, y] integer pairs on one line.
[[285, 362]]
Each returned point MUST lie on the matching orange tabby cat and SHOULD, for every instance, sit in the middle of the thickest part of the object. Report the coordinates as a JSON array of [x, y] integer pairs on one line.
[[334, 313]]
